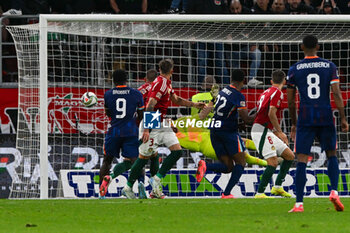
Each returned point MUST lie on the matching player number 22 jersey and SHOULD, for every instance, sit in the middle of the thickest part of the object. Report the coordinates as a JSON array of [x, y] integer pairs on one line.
[[228, 102]]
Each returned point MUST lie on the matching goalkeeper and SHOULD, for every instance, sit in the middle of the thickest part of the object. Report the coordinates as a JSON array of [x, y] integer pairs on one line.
[[198, 139]]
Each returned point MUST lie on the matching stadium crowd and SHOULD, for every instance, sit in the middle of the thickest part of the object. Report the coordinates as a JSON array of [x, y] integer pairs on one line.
[[175, 6], [258, 58]]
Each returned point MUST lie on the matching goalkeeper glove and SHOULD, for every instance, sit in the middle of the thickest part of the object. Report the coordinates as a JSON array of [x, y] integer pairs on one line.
[[214, 92]]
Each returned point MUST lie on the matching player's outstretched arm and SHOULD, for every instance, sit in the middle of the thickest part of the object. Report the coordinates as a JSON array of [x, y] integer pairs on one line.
[[338, 100], [206, 110], [291, 92], [140, 114], [243, 114], [277, 128], [107, 111], [149, 108], [114, 6], [183, 102]]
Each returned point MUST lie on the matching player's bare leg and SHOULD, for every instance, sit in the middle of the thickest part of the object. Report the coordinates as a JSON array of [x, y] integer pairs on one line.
[[104, 171], [333, 174], [300, 181], [288, 158]]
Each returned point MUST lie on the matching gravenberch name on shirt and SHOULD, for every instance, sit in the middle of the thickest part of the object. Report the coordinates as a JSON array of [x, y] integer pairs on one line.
[[313, 65]]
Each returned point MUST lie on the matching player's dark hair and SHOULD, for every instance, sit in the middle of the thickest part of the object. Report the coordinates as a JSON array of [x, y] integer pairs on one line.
[[278, 76], [237, 75], [151, 75], [310, 41], [166, 66], [119, 77]]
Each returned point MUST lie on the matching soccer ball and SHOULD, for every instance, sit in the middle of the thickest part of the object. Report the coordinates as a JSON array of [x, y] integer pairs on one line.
[[89, 99]]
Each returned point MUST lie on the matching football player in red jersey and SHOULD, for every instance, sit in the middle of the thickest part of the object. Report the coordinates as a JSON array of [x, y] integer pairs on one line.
[[268, 136], [151, 75], [159, 99]]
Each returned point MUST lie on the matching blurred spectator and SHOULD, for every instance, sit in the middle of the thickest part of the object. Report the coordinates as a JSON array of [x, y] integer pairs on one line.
[[28, 7], [158, 6], [175, 7], [205, 50], [299, 7], [207, 7], [129, 6], [103, 6], [344, 6], [308, 2], [247, 3], [60, 7], [278, 7], [328, 7], [252, 52], [261, 7], [83, 6], [237, 8]]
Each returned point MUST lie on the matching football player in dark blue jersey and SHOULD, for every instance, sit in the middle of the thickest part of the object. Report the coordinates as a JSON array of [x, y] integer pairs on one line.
[[314, 77], [227, 143], [122, 105]]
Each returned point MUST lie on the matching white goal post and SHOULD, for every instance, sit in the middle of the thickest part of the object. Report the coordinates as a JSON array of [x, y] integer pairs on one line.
[[262, 29]]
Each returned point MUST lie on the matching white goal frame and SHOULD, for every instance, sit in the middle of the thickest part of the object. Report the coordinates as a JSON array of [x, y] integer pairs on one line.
[[44, 20]]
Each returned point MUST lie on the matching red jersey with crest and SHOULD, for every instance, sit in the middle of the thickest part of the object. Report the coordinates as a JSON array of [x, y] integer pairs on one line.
[[271, 97], [161, 90], [144, 89]]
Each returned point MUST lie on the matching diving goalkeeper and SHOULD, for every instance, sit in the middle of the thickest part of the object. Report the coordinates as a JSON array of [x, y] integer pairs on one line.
[[198, 138]]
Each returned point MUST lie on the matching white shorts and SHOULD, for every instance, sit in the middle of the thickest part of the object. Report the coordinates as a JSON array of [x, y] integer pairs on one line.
[[163, 136], [271, 145]]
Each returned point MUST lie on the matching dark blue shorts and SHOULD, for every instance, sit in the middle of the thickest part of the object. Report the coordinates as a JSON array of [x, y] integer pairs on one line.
[[306, 135], [226, 143], [128, 145]]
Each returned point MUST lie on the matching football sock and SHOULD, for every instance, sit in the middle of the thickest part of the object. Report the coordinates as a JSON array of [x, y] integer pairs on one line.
[[298, 204], [333, 172], [300, 180], [249, 144], [141, 178], [120, 168], [283, 172], [235, 175], [217, 167], [136, 171], [254, 160], [169, 162], [154, 165], [265, 178]]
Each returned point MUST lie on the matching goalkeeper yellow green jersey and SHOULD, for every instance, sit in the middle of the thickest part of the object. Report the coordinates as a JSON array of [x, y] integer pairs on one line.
[[204, 97], [198, 139], [195, 139]]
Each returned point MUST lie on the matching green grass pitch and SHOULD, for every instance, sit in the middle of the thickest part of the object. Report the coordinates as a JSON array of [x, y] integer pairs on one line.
[[172, 215]]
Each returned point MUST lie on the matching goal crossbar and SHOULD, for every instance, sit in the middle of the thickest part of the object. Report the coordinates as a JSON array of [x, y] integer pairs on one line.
[[196, 18]]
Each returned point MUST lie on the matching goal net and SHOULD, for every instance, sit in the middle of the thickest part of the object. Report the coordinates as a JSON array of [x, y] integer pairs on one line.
[[61, 141]]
